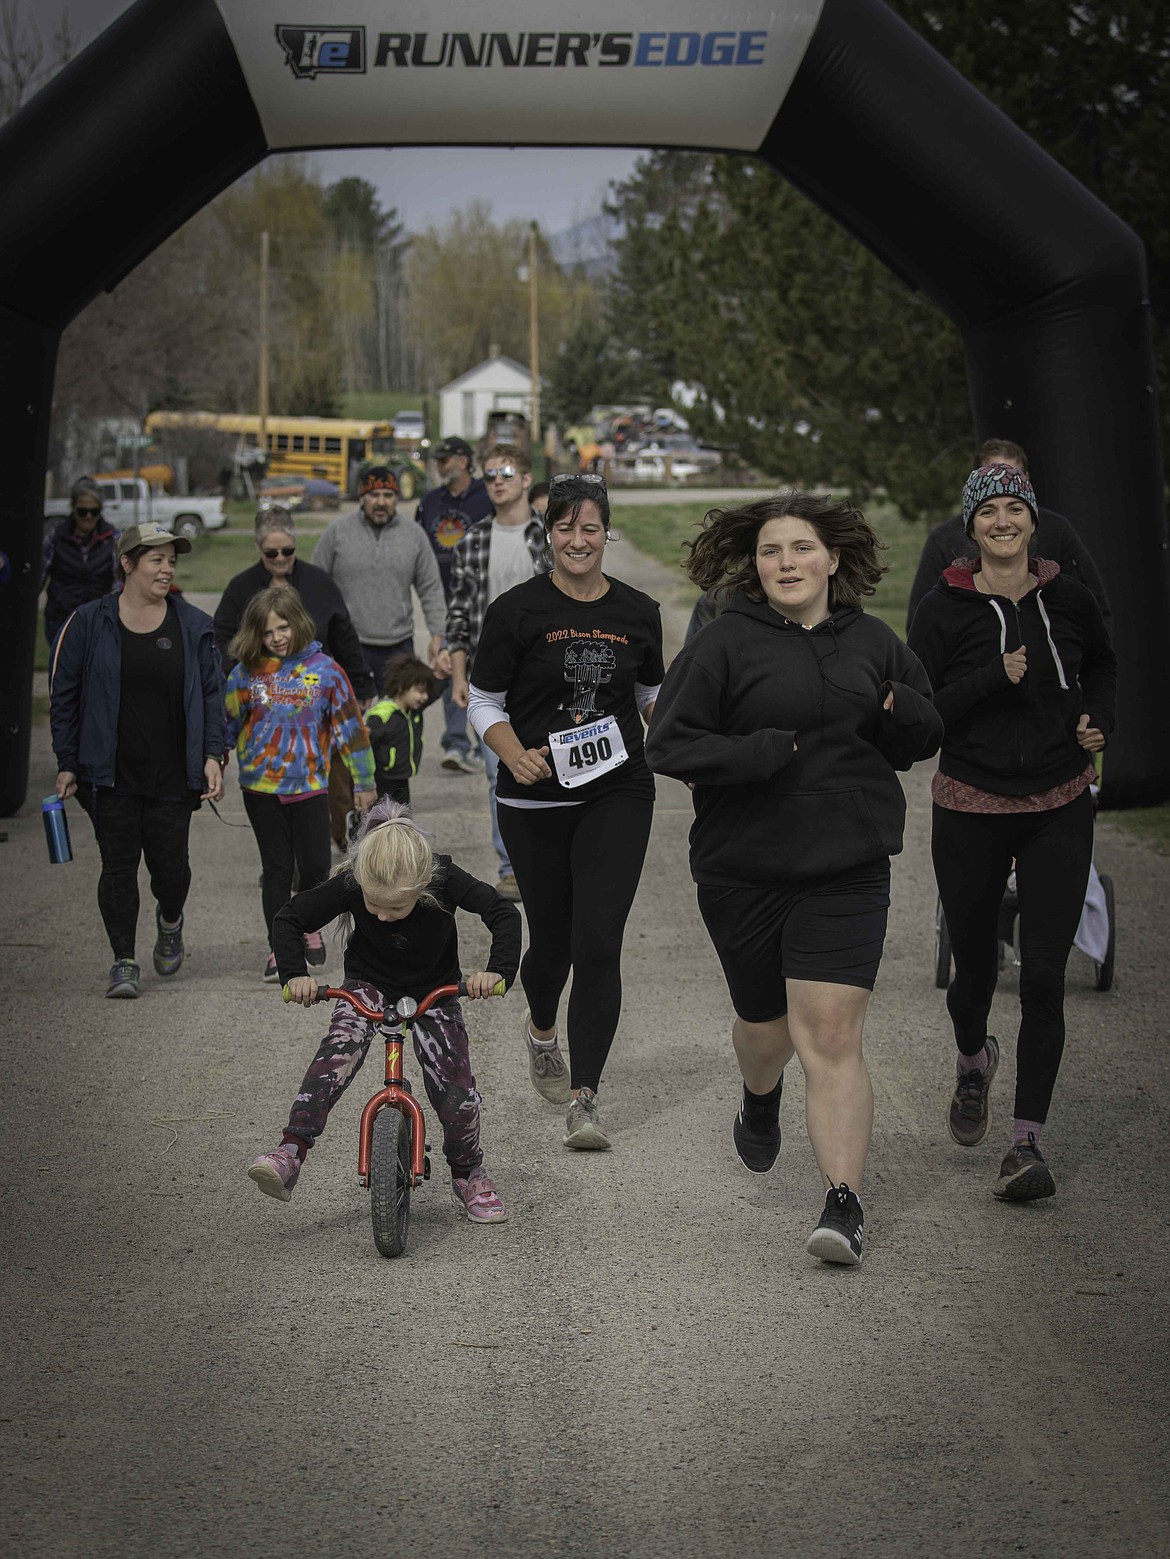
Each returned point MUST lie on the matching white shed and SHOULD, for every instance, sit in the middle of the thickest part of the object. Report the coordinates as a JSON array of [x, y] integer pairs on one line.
[[496, 384]]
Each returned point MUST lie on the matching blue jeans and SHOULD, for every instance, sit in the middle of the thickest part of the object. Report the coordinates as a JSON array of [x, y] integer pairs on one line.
[[455, 737], [491, 767]]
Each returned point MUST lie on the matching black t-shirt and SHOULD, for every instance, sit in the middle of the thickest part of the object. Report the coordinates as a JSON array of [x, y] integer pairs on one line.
[[566, 666], [152, 725]]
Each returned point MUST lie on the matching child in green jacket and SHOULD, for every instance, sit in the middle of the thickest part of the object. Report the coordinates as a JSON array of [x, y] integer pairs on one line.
[[395, 724]]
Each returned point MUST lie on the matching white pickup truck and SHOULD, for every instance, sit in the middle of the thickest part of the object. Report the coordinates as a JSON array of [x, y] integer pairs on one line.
[[130, 501]]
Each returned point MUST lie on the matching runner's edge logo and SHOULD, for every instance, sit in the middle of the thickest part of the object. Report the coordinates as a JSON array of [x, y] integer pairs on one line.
[[324, 50]]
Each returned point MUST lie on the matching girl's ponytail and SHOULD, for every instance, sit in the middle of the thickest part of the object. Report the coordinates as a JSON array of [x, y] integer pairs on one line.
[[390, 855]]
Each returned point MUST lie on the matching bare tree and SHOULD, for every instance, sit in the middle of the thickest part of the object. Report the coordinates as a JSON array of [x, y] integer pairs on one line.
[[25, 65]]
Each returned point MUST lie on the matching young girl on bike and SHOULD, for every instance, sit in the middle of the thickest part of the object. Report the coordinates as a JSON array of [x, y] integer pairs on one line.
[[288, 704], [400, 901]]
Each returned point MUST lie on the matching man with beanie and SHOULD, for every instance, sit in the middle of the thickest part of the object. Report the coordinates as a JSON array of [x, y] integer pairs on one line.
[[375, 557], [1055, 538], [446, 514]]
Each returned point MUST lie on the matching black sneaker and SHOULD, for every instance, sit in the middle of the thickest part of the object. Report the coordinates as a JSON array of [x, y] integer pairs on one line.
[[1023, 1175], [756, 1133], [970, 1112], [838, 1235]]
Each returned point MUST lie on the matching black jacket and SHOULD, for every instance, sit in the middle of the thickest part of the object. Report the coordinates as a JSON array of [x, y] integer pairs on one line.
[[75, 571], [783, 733], [1055, 538], [408, 957], [324, 603], [1015, 739], [86, 691]]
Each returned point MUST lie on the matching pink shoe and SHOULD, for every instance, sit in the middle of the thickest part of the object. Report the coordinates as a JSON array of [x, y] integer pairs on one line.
[[478, 1198], [314, 948], [276, 1172]]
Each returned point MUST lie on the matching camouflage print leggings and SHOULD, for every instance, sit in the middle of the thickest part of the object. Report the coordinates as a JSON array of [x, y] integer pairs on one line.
[[440, 1043]]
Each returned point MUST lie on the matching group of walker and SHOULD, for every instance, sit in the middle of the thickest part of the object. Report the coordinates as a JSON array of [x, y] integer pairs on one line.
[[789, 716]]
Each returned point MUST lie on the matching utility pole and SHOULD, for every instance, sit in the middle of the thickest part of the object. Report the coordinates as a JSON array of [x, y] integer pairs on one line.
[[262, 436], [533, 338]]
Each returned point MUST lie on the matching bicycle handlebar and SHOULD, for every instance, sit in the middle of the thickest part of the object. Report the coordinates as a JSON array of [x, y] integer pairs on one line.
[[339, 993]]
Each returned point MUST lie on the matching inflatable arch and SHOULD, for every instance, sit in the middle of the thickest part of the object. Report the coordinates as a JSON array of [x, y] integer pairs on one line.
[[174, 102]]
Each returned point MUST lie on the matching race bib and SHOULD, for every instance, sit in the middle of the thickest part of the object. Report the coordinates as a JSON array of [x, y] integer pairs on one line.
[[582, 754]]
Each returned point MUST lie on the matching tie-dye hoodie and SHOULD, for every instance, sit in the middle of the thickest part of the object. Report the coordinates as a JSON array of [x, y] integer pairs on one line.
[[285, 716]]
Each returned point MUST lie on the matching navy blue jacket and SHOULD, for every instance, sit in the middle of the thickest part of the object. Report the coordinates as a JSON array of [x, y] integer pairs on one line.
[[447, 520], [77, 571], [86, 691]]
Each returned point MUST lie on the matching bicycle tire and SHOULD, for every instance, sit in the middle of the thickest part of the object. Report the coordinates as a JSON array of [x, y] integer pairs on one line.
[[942, 950], [1105, 967], [390, 1182]]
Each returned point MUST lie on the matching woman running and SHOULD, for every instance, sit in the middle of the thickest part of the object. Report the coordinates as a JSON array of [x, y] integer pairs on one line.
[[288, 705], [567, 667], [789, 715], [1026, 680]]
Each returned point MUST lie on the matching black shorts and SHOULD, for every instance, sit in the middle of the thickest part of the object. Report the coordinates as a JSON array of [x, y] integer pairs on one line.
[[830, 931]]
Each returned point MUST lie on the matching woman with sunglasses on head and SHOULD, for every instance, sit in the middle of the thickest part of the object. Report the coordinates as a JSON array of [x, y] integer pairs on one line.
[[277, 568], [566, 670], [80, 559]]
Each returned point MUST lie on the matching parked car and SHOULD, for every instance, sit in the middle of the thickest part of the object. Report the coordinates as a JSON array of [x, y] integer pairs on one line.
[[409, 425], [130, 501]]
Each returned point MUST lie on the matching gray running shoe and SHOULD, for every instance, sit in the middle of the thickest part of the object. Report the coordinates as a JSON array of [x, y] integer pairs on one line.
[[970, 1112], [582, 1128], [546, 1068], [1023, 1175], [168, 947], [124, 978]]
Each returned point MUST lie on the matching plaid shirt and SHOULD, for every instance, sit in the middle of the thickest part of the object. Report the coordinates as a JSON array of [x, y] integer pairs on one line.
[[468, 602]]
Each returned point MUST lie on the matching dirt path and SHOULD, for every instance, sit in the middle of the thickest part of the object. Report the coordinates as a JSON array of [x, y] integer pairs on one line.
[[642, 1361]]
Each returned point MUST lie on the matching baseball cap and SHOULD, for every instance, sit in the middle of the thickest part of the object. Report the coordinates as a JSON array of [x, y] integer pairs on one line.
[[150, 536], [378, 479], [452, 446]]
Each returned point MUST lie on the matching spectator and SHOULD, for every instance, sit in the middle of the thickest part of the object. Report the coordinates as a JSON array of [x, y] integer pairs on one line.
[[538, 498], [494, 555], [446, 514], [80, 558], [396, 726]]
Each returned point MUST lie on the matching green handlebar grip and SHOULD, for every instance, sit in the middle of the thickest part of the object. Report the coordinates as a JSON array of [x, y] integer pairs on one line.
[[286, 993], [499, 989]]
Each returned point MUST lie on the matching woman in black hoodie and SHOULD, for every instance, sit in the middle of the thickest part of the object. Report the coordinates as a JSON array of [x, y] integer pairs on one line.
[[788, 715], [1025, 679]]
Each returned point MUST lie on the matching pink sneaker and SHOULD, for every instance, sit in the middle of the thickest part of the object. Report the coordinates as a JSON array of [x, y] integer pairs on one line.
[[314, 948], [276, 1172], [478, 1198]]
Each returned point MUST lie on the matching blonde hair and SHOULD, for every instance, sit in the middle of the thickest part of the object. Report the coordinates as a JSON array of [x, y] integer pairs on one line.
[[390, 856], [248, 644]]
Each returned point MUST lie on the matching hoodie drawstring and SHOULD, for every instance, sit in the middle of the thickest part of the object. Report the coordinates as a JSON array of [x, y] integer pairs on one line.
[[1051, 642], [998, 610]]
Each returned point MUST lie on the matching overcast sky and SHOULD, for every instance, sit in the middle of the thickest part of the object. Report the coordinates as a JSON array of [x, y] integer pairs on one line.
[[556, 186]]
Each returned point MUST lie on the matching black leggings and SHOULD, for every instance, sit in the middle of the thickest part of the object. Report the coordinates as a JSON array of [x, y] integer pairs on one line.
[[973, 855], [577, 868], [295, 835], [129, 828]]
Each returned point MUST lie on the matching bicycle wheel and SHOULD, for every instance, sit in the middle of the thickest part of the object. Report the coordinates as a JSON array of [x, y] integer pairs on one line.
[[390, 1181], [1105, 967], [942, 949]]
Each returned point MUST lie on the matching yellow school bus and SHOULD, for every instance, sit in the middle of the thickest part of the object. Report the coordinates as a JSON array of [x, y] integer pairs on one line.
[[334, 448]]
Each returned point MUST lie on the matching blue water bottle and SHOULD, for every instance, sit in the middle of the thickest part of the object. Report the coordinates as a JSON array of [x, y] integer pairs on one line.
[[56, 830]]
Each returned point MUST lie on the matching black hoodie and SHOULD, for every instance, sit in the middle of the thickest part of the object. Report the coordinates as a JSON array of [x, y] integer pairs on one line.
[[1015, 739], [782, 731]]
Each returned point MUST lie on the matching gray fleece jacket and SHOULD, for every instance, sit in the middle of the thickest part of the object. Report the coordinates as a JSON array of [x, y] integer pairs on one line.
[[374, 567]]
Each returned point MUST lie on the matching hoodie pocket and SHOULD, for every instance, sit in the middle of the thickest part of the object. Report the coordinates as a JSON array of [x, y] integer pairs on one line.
[[789, 836]]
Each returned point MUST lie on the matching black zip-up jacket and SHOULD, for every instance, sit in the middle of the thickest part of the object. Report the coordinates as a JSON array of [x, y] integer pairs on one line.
[[401, 957], [76, 570], [324, 604], [782, 732], [1015, 739]]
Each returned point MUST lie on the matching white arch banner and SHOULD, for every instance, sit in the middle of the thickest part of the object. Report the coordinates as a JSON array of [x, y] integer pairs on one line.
[[681, 73]]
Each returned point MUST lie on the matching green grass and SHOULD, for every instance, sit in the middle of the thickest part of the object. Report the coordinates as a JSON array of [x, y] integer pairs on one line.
[[379, 405], [660, 530], [1149, 825]]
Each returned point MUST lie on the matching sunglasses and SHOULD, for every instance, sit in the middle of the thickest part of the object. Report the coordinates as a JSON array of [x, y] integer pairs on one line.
[[504, 472], [278, 552], [577, 476], [78, 510]]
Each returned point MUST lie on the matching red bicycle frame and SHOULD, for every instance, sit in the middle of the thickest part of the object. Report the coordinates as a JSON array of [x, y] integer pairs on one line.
[[393, 1095]]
